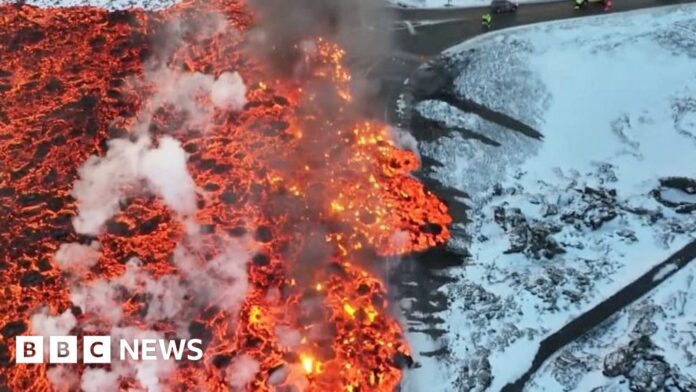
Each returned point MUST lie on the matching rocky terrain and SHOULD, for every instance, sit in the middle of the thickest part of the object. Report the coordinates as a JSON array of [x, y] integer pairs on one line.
[[562, 200]]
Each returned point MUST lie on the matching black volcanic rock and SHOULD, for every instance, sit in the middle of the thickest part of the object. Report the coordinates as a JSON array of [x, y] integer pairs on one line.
[[648, 376], [13, 328], [686, 186], [5, 357], [31, 278], [264, 234], [618, 362], [530, 237]]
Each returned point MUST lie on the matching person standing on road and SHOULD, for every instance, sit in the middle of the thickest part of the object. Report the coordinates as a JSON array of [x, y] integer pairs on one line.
[[486, 20], [579, 4], [608, 5]]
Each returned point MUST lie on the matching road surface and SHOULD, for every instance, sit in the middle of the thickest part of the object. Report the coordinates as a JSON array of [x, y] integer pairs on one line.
[[436, 30], [439, 29], [457, 25]]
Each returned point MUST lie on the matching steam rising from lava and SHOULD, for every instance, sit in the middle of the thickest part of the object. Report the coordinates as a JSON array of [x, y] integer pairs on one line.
[[228, 190], [287, 29], [129, 167]]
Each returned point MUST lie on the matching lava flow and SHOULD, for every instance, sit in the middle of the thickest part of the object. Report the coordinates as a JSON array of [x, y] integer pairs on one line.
[[322, 194]]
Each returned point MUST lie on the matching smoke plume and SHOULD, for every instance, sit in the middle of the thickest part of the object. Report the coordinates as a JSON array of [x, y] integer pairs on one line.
[[241, 371], [287, 30], [76, 258], [106, 181], [150, 163], [146, 163]]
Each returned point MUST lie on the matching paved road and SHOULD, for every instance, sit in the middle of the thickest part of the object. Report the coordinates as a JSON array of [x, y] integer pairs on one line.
[[438, 29], [460, 24], [592, 318], [457, 25]]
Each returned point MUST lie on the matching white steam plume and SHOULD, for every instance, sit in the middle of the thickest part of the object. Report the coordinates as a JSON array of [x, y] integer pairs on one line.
[[105, 181], [241, 372], [180, 89], [165, 170], [65, 378], [76, 258], [158, 166], [46, 325], [404, 139], [99, 380]]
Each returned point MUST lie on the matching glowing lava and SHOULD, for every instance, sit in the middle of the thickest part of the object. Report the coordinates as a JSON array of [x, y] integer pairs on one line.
[[323, 197]]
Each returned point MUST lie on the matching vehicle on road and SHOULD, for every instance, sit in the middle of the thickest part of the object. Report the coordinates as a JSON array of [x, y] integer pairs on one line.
[[502, 6], [607, 4], [486, 20]]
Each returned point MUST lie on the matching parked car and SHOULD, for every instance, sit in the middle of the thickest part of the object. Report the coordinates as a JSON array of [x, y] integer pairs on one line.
[[501, 6]]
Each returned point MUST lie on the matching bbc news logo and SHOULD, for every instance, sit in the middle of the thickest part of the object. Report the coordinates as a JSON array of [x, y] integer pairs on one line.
[[97, 349]]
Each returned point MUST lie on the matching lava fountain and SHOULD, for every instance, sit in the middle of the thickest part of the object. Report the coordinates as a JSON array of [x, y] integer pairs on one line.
[[308, 195]]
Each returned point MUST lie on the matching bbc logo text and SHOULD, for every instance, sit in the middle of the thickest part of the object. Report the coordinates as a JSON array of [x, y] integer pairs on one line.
[[98, 349]]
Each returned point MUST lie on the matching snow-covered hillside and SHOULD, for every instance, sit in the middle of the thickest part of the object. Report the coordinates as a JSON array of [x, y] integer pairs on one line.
[[650, 345], [559, 223]]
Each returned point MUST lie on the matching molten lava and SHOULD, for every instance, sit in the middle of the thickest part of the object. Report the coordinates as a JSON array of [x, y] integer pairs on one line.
[[324, 197]]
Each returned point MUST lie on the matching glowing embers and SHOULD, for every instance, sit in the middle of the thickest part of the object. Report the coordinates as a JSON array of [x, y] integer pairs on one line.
[[309, 364], [320, 194]]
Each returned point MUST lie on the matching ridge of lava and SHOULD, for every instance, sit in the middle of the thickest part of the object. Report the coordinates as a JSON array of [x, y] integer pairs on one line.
[[322, 196]]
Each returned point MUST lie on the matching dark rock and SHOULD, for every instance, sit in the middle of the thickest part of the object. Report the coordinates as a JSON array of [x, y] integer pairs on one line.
[[622, 360], [264, 234], [76, 311], [29, 199], [44, 265], [211, 187], [685, 186], [648, 376], [599, 207], [222, 360], [282, 101], [13, 328], [5, 357], [261, 260], [618, 362], [228, 197], [206, 229], [237, 232], [431, 228], [149, 226], [402, 360], [31, 278], [117, 228], [55, 204], [533, 238], [199, 330]]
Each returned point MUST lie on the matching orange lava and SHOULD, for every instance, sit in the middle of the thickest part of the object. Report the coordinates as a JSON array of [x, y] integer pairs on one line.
[[68, 82]]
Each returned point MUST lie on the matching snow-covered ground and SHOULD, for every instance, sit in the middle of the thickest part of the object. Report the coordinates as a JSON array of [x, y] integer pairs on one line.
[[650, 344], [557, 225]]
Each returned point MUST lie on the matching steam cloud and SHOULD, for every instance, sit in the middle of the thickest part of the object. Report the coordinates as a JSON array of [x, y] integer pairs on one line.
[[221, 282], [143, 164], [359, 26], [64, 379], [241, 371], [76, 258], [106, 181], [287, 30], [131, 167]]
